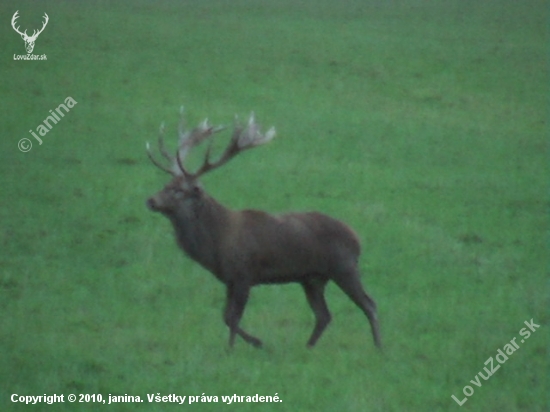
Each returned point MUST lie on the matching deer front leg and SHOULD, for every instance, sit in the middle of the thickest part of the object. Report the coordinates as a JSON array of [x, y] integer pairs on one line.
[[237, 296], [315, 293]]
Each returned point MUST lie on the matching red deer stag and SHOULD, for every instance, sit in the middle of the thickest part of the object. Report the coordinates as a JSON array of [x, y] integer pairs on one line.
[[250, 247]]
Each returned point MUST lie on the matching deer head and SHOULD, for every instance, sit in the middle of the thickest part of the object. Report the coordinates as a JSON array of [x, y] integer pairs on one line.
[[29, 40], [184, 185]]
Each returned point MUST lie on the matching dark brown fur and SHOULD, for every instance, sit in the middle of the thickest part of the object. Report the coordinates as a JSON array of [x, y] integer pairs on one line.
[[247, 248]]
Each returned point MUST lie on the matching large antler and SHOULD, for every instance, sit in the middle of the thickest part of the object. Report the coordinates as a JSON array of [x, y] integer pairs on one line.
[[242, 139]]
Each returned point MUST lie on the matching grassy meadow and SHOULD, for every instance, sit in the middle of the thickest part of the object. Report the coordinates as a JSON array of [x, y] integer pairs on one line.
[[422, 124]]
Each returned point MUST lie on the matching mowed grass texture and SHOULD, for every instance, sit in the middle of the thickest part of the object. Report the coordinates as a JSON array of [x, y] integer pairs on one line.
[[422, 124]]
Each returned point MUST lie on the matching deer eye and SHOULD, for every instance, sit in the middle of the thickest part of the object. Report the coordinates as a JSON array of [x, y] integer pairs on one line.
[[177, 192]]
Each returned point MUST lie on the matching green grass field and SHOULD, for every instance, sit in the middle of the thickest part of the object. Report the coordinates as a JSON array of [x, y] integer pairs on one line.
[[422, 124]]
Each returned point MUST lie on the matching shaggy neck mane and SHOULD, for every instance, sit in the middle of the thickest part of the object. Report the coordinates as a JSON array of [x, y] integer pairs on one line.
[[200, 230]]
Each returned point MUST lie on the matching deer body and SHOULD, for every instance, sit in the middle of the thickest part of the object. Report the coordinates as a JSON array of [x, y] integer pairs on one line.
[[250, 247], [260, 247]]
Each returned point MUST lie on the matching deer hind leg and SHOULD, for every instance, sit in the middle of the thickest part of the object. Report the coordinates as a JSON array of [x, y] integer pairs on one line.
[[350, 283], [315, 293], [237, 296]]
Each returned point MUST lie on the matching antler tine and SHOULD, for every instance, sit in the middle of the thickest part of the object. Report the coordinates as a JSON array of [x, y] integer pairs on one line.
[[162, 148], [251, 137], [164, 152], [157, 164], [182, 133]]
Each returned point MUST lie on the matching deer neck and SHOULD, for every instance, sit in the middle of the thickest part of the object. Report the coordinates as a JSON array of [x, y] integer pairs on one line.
[[200, 230]]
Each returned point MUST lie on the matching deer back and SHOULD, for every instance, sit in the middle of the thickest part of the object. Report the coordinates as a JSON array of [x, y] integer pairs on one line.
[[285, 247]]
